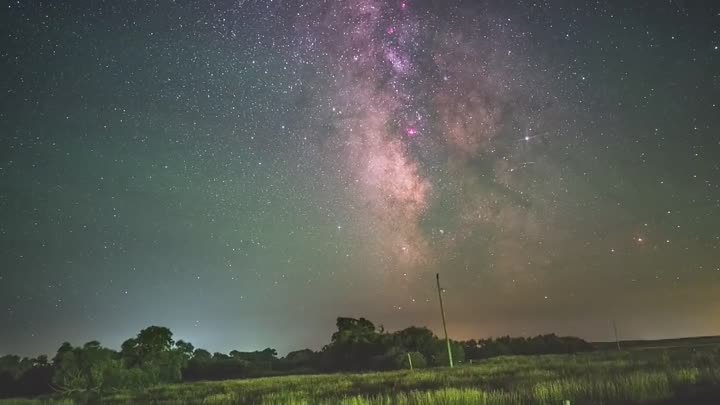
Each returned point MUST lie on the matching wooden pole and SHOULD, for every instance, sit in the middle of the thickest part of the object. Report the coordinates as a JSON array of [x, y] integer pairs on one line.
[[617, 340], [442, 312]]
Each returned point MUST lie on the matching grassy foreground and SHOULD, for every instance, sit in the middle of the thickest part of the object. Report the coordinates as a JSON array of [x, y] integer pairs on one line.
[[662, 376]]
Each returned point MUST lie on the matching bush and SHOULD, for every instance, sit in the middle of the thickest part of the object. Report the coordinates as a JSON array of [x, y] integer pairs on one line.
[[400, 361]]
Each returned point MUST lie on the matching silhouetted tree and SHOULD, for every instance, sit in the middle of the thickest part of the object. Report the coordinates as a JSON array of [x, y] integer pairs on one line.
[[541, 344], [186, 348], [201, 354], [440, 355], [356, 345], [82, 369], [153, 357], [415, 339], [299, 360]]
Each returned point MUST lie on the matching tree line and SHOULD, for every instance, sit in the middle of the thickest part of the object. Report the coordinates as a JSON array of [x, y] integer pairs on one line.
[[154, 357]]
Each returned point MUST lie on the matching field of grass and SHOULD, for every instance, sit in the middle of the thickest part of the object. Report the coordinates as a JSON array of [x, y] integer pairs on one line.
[[662, 376]]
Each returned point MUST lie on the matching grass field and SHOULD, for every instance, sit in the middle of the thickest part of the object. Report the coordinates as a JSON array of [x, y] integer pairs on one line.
[[659, 376]]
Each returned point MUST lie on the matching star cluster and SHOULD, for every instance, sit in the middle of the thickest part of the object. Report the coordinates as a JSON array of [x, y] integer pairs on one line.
[[245, 171]]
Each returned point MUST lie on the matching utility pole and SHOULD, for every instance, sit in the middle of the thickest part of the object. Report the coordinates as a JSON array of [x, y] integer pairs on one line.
[[617, 341], [442, 312]]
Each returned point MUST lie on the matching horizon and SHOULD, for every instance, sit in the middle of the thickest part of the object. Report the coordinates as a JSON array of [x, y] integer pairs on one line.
[[319, 347]]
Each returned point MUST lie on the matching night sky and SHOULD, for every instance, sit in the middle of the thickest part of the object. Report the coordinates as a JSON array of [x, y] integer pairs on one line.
[[245, 171]]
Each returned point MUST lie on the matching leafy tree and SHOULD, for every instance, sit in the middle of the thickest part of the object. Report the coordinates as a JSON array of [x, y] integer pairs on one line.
[[262, 360], [35, 380], [64, 348], [353, 331], [10, 370], [119, 377], [11, 364], [186, 348], [155, 339], [82, 369], [7, 384], [166, 366], [440, 356], [415, 339], [40, 361], [154, 350], [149, 342], [356, 345], [305, 359], [130, 352], [202, 355], [220, 356], [541, 344]]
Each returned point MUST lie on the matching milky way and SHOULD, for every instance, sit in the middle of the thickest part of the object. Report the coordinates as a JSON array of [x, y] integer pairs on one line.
[[398, 95], [244, 172]]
